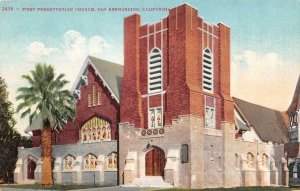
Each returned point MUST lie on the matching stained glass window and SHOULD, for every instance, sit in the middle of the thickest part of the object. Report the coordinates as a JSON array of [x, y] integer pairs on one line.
[[158, 117], [69, 162], [112, 160], [152, 118], [210, 117], [90, 161], [155, 118], [96, 129]]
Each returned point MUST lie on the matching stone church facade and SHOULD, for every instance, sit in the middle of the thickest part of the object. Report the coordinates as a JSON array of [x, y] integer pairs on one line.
[[166, 118]]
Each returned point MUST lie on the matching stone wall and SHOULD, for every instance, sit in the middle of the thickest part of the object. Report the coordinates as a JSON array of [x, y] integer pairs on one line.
[[101, 175], [216, 158], [270, 173], [134, 146]]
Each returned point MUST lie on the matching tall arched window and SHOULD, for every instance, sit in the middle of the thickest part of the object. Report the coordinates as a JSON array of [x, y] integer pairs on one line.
[[95, 130], [155, 71], [207, 72]]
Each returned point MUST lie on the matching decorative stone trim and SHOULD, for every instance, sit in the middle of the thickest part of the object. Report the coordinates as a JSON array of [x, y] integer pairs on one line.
[[156, 132]]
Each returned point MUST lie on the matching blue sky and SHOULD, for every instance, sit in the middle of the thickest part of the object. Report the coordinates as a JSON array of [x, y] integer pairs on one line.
[[265, 41]]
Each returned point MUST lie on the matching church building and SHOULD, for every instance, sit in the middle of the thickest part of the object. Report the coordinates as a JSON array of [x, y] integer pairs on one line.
[[177, 118], [85, 151], [166, 117]]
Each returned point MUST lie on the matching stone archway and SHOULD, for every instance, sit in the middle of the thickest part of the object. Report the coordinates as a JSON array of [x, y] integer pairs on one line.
[[31, 165], [155, 162]]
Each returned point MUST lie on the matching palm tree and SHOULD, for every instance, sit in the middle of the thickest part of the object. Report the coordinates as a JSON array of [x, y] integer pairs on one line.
[[46, 98]]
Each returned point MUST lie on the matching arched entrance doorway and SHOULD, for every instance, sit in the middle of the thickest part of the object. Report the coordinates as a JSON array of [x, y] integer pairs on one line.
[[155, 162], [31, 165]]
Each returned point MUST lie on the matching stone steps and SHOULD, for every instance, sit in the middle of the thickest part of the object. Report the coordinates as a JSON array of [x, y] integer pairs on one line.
[[149, 182]]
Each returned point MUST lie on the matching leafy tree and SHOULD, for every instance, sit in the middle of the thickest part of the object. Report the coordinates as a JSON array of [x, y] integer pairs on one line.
[[46, 97], [10, 139]]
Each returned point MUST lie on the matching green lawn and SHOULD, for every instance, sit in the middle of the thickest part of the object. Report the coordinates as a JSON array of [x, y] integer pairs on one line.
[[256, 188], [54, 187]]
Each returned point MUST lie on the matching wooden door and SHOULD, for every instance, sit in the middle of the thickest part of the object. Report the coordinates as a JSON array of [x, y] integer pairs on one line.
[[30, 169], [155, 162]]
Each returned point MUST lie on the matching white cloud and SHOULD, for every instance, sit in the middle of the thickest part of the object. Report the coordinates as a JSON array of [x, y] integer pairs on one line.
[[265, 79], [74, 47], [37, 49], [97, 45], [77, 47]]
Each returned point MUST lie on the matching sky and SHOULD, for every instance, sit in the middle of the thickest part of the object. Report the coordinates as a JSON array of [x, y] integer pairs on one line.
[[265, 41]]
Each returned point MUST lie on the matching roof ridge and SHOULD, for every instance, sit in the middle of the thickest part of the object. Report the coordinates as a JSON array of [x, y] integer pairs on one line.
[[93, 57], [265, 107]]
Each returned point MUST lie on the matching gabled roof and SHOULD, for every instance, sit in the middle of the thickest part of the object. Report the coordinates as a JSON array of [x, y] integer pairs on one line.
[[296, 98], [268, 123], [110, 73]]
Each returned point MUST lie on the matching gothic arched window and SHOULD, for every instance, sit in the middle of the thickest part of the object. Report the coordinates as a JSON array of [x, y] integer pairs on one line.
[[95, 129]]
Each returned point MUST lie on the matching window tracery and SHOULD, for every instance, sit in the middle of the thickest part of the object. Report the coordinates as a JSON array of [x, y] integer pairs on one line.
[[95, 130]]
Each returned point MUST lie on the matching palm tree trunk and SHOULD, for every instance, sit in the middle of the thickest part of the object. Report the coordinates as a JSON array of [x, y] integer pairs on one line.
[[46, 147]]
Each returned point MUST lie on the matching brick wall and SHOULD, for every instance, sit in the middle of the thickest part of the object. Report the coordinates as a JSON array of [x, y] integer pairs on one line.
[[109, 110], [181, 36]]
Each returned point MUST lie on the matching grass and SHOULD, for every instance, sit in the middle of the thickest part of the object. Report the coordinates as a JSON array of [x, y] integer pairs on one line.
[[54, 187], [75, 187], [254, 188]]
